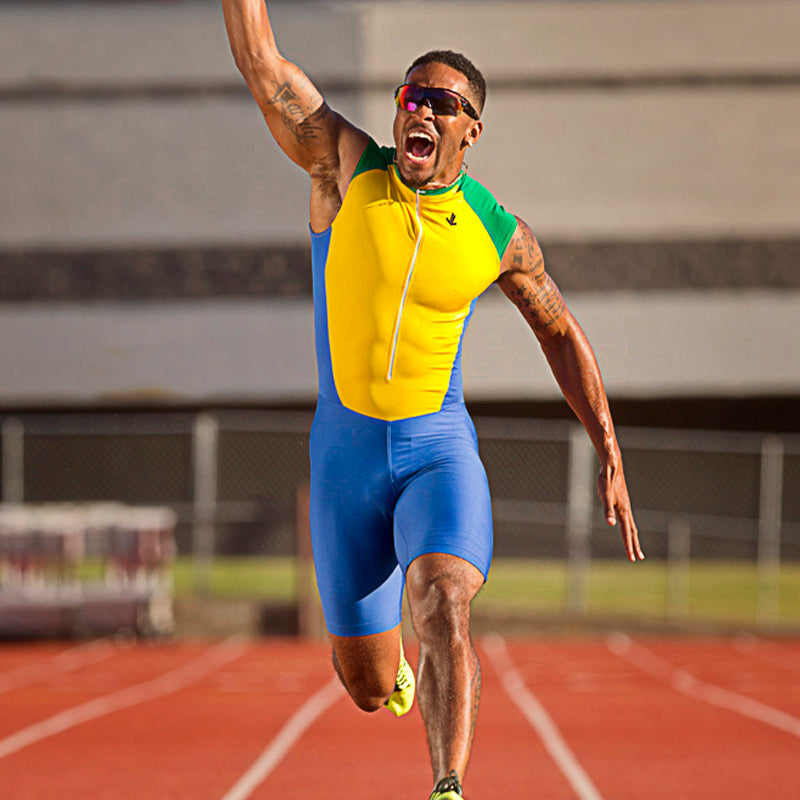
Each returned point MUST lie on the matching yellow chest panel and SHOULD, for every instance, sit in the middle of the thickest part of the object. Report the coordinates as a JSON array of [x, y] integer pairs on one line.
[[402, 273]]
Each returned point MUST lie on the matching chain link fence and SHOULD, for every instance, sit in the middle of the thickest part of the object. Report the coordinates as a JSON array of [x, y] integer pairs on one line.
[[235, 481]]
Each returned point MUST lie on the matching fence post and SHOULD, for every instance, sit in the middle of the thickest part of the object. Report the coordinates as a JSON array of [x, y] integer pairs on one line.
[[13, 434], [769, 528], [679, 548], [579, 519], [204, 441]]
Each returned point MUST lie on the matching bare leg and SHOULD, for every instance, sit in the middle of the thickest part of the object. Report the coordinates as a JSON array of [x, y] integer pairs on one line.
[[440, 589], [367, 666]]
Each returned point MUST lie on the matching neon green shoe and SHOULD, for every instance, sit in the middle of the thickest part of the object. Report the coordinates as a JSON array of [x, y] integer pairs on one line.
[[448, 788], [402, 698]]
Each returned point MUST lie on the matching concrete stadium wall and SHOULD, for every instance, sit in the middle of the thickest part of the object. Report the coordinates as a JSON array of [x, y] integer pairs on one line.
[[644, 156], [126, 126], [650, 159], [129, 166]]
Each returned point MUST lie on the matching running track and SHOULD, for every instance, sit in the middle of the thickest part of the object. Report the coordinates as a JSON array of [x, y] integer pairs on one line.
[[608, 718]]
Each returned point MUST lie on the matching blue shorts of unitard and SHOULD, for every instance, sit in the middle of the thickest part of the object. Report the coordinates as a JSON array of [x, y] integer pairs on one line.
[[383, 494]]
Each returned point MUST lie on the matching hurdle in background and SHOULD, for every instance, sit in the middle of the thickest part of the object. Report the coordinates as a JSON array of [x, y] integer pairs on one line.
[[86, 568]]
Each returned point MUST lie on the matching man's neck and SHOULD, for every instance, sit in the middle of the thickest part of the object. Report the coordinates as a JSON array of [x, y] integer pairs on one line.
[[432, 185]]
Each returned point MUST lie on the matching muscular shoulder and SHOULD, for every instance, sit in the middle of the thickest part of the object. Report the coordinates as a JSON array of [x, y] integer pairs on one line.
[[524, 254]]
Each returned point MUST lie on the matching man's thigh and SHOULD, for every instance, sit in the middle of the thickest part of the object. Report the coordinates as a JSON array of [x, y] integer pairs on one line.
[[447, 509], [352, 499]]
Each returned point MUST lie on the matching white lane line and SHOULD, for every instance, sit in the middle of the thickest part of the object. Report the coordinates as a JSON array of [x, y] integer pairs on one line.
[[538, 717], [683, 681], [769, 650], [297, 725], [185, 675], [44, 669]]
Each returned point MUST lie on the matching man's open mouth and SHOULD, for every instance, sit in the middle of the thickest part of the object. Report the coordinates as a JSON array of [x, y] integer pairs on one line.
[[419, 146]]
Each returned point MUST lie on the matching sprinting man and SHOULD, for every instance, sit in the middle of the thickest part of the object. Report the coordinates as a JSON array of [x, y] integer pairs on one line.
[[403, 242]]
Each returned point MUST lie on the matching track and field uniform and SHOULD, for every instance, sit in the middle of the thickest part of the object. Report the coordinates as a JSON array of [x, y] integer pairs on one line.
[[395, 471]]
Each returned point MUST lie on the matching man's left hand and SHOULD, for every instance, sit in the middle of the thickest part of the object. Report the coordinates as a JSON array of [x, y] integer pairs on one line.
[[613, 493]]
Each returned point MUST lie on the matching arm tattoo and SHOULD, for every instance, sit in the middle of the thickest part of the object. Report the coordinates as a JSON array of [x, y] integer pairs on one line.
[[530, 288], [305, 127]]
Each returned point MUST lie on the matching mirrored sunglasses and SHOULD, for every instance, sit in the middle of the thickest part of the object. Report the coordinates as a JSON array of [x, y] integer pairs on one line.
[[443, 102]]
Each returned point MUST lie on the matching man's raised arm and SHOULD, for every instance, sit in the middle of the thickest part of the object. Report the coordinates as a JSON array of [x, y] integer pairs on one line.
[[570, 356], [313, 136]]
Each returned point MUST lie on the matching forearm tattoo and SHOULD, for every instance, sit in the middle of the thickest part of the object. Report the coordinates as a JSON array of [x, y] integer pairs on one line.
[[305, 127]]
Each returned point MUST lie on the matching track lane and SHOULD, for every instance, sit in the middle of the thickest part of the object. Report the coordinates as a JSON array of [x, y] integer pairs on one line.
[[47, 662], [765, 670], [362, 756], [32, 703], [542, 723], [195, 742], [350, 754], [721, 678], [123, 698], [287, 737], [21, 655], [634, 734]]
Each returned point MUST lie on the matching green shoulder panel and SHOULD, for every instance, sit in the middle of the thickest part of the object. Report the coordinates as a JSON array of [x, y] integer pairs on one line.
[[374, 157], [499, 223]]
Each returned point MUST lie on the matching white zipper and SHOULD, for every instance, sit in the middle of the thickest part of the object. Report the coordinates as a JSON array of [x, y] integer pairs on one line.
[[398, 318]]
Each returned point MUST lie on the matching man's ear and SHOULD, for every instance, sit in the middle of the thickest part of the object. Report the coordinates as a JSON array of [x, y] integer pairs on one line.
[[474, 133]]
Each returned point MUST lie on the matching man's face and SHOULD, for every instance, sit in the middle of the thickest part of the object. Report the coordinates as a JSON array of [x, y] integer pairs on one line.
[[430, 148]]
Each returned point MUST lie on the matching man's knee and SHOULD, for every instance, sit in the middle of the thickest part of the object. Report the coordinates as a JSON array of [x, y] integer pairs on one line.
[[369, 691], [440, 601], [368, 673], [369, 696]]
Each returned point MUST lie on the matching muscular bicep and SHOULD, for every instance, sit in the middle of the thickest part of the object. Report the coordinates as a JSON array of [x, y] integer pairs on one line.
[[527, 284], [296, 113], [319, 140]]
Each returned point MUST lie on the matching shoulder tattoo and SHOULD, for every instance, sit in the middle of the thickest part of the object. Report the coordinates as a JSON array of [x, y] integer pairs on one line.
[[530, 287]]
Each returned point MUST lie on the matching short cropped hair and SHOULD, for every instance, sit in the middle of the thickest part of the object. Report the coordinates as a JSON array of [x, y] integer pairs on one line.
[[460, 63]]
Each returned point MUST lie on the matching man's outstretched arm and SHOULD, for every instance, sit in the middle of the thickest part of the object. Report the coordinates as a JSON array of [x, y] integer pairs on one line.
[[571, 358], [313, 136]]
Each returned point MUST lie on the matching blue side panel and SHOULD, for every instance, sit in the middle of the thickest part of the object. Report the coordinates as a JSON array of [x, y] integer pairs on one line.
[[320, 242], [455, 391]]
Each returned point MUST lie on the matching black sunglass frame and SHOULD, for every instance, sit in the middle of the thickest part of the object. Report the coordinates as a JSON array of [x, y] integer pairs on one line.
[[434, 92]]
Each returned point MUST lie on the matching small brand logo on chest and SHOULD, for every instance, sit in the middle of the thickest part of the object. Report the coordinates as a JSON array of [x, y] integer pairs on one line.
[[451, 220]]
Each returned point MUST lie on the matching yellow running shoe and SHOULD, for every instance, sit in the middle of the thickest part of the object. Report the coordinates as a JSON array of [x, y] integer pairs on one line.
[[448, 788], [402, 698]]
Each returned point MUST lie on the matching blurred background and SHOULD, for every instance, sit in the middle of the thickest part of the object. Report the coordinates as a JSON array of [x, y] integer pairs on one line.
[[156, 346]]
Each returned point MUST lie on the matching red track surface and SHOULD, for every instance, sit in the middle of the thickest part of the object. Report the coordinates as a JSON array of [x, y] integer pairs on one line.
[[596, 719]]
